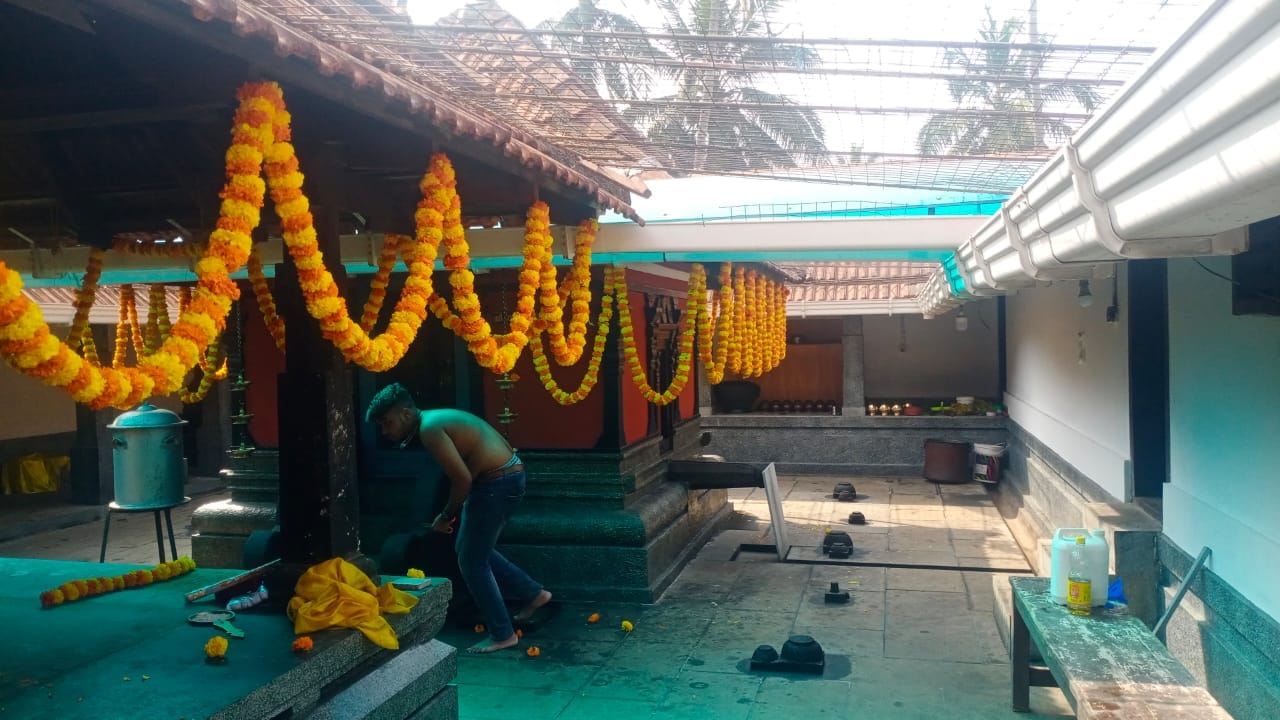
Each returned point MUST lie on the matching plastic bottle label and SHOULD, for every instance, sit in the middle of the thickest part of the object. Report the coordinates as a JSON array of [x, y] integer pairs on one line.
[[1079, 593]]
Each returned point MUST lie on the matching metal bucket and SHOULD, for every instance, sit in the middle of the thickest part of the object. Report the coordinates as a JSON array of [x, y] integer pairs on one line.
[[146, 453]]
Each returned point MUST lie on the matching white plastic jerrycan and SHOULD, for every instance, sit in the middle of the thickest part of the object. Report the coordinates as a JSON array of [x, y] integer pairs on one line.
[[1097, 557]]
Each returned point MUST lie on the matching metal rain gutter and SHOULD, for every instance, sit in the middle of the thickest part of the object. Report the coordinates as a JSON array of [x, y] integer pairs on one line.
[[1179, 164]]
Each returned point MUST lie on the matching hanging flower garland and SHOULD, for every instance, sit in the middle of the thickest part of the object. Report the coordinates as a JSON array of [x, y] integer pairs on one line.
[[28, 345], [496, 352], [157, 246], [88, 347], [378, 283], [592, 375], [266, 303], [157, 309], [713, 350], [122, 327], [207, 375], [320, 293], [567, 347], [684, 362], [85, 296]]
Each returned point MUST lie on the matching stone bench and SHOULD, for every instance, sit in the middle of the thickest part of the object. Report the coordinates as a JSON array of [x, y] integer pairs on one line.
[[1109, 666]]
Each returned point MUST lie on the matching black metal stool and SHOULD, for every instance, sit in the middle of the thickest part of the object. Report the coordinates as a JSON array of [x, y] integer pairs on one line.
[[112, 507]]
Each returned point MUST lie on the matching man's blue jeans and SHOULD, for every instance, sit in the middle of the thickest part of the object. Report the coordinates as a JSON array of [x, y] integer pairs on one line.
[[485, 571]]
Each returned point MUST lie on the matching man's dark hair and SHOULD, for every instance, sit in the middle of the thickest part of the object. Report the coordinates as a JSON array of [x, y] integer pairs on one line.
[[388, 398]]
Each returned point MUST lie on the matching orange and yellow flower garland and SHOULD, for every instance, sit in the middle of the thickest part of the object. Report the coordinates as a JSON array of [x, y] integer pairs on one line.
[[320, 293], [498, 353], [378, 283], [713, 349], [567, 347], [266, 303], [85, 296], [592, 375], [684, 362], [73, 590], [28, 345]]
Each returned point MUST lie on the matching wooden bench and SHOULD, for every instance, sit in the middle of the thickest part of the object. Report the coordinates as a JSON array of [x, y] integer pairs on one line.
[[1110, 666]]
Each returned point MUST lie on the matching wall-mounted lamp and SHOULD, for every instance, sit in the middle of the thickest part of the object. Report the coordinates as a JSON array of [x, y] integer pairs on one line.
[[1084, 298], [962, 321]]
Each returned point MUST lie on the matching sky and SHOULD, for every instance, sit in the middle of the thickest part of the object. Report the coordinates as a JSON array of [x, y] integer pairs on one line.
[[1077, 22]]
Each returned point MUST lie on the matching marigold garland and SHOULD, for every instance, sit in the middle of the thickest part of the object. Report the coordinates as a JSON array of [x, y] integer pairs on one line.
[[714, 352], [567, 346], [378, 283], [684, 363], [85, 296], [28, 345], [266, 303], [498, 353], [73, 590], [323, 300], [592, 375]]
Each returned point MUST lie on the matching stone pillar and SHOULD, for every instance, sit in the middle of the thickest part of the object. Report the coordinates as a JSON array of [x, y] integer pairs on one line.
[[851, 340], [319, 509]]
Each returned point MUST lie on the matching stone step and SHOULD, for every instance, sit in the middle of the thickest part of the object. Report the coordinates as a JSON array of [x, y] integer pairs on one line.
[[413, 684], [1002, 609]]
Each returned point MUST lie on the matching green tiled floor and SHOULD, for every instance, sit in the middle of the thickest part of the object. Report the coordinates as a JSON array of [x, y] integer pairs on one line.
[[913, 643]]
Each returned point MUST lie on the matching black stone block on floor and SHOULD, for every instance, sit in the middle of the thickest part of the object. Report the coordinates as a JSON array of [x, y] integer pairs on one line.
[[402, 687]]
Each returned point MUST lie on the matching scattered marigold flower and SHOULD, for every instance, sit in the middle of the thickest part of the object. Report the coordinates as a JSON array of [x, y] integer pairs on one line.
[[126, 678], [519, 633], [303, 644], [146, 678], [216, 647], [627, 626], [534, 651], [414, 573], [593, 618], [478, 628]]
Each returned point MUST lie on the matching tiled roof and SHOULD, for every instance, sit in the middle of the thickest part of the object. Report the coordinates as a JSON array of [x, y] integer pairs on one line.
[[58, 304], [283, 23], [845, 281]]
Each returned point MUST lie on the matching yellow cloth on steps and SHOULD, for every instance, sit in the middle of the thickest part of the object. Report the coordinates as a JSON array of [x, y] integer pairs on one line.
[[336, 593]]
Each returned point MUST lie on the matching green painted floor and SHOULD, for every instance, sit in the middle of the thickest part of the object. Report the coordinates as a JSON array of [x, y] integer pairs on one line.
[[913, 643]]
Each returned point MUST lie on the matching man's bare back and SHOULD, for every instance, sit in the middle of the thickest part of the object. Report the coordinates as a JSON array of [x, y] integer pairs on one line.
[[480, 447]]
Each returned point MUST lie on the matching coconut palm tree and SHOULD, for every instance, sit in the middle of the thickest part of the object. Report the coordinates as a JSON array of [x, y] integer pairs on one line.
[[999, 97], [578, 33], [715, 116]]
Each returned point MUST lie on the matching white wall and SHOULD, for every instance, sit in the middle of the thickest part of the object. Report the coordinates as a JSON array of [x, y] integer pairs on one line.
[[1078, 407], [1224, 489], [29, 408], [938, 362]]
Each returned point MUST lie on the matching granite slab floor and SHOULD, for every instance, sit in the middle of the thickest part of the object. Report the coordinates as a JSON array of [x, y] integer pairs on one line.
[[913, 643]]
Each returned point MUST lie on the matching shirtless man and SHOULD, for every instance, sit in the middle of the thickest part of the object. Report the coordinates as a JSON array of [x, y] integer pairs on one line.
[[486, 483]]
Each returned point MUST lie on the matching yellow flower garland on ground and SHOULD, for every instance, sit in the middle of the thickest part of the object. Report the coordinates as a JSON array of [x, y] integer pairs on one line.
[[266, 303], [684, 360], [592, 375], [28, 345], [73, 590]]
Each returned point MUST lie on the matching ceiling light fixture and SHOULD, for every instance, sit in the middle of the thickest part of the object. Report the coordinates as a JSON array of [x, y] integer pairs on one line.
[[1084, 298]]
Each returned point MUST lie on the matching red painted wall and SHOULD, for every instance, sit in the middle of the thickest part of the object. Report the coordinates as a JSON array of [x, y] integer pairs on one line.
[[542, 422], [262, 363]]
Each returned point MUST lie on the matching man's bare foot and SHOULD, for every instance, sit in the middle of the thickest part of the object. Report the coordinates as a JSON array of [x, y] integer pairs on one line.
[[489, 645], [542, 598]]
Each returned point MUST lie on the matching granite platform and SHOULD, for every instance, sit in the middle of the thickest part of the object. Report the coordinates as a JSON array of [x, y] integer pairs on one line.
[[132, 653]]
